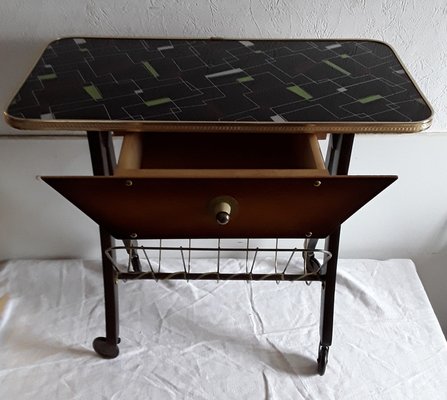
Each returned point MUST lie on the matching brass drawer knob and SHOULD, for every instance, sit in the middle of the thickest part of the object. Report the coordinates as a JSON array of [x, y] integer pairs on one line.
[[223, 209], [222, 212]]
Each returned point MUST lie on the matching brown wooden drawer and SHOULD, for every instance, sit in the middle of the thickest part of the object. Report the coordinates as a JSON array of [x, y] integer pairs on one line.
[[226, 154], [172, 207], [173, 186]]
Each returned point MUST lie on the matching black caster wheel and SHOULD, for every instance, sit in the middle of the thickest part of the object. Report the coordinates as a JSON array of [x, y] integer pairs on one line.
[[105, 349], [312, 264], [322, 359]]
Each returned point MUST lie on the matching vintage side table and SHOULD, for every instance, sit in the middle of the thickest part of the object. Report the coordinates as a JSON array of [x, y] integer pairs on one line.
[[220, 141]]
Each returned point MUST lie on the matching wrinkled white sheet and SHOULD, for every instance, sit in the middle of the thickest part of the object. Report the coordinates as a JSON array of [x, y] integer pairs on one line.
[[227, 340]]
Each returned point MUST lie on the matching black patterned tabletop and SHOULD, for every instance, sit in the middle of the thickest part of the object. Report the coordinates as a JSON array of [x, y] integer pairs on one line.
[[138, 84]]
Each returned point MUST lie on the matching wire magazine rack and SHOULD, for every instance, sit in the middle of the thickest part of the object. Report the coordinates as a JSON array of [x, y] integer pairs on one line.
[[287, 265]]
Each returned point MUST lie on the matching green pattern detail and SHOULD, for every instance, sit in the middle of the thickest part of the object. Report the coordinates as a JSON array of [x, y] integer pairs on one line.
[[157, 102], [83, 49], [151, 69], [93, 91], [344, 56], [245, 79], [369, 99], [300, 92], [335, 66], [47, 77]]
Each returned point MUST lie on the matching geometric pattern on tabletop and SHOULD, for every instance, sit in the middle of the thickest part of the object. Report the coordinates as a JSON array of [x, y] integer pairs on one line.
[[267, 81]]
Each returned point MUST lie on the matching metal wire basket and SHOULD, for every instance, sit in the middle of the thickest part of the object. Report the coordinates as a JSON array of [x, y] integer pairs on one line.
[[284, 264]]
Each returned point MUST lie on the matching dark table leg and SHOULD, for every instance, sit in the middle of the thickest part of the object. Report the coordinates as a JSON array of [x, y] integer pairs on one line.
[[103, 163], [337, 162]]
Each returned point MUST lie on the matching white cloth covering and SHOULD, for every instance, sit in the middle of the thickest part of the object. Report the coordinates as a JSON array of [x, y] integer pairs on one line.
[[226, 340]]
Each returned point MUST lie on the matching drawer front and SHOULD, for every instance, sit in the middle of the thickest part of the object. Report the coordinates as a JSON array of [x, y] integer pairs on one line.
[[188, 207]]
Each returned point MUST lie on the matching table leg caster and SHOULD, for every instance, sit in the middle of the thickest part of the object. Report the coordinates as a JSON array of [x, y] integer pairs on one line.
[[322, 359], [104, 348]]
